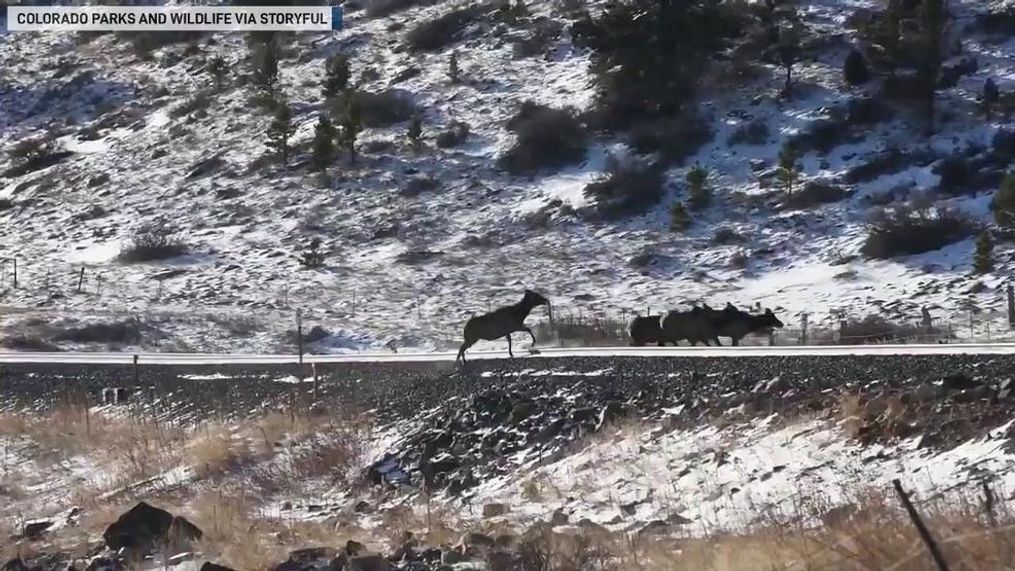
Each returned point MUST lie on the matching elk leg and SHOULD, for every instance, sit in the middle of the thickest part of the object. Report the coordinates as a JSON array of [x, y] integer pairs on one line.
[[510, 354], [461, 351], [531, 334]]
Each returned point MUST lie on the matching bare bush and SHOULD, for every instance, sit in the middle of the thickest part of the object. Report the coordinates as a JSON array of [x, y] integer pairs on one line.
[[157, 241], [904, 231], [628, 188]]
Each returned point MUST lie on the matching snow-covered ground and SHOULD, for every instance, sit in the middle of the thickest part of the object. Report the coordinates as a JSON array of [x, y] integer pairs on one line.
[[128, 120]]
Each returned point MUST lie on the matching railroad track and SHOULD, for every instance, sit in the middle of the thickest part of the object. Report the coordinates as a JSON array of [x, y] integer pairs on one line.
[[86, 358]]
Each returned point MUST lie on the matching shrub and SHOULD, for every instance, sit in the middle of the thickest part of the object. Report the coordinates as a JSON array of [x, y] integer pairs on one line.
[[626, 189], [755, 132], [699, 194], [381, 8], [788, 171], [883, 163], [855, 70], [415, 133], [265, 60], [313, 257], [157, 241], [680, 220], [725, 236], [955, 174], [906, 231], [1003, 203], [983, 257], [454, 72], [546, 138], [125, 331], [385, 108], [433, 35], [815, 193], [543, 33], [280, 130], [455, 134], [30, 149], [673, 139]]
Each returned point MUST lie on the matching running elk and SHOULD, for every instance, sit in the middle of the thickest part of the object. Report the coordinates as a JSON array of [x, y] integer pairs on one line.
[[501, 322]]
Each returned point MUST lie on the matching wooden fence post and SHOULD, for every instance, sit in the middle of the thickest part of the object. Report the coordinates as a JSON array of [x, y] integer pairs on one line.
[[1011, 305], [81, 278], [925, 535], [803, 329], [15, 273], [299, 336], [137, 374]]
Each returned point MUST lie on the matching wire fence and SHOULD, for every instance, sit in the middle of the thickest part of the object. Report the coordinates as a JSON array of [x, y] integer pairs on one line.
[[162, 310]]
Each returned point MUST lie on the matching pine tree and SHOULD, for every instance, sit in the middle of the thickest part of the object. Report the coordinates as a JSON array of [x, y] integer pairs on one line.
[[336, 75], [352, 124], [453, 71], [680, 220], [266, 65], [991, 95], [855, 70], [218, 70], [415, 133], [789, 52], [1003, 204], [324, 143], [788, 171], [281, 130], [983, 258], [933, 22], [699, 195], [888, 33]]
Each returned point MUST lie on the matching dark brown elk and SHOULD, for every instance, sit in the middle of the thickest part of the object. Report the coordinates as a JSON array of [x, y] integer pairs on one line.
[[695, 326], [501, 322], [743, 324], [646, 330]]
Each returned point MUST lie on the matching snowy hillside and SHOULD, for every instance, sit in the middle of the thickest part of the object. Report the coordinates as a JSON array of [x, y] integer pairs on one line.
[[418, 241]]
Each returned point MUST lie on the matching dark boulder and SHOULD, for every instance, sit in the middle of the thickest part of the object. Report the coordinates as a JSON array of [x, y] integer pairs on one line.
[[144, 527]]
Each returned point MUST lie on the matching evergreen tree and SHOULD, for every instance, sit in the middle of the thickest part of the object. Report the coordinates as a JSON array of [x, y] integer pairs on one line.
[[699, 195], [680, 220], [933, 23], [855, 70], [313, 257], [453, 71], [280, 130], [336, 75], [788, 171], [352, 124], [888, 33], [789, 53], [324, 142], [991, 95], [415, 133], [1003, 204], [266, 65], [983, 258], [218, 70]]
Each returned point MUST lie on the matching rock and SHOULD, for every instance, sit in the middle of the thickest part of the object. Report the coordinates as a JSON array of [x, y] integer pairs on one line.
[[182, 534], [494, 510], [363, 507], [104, 564], [35, 529], [209, 566], [142, 528], [418, 185], [451, 556], [368, 563], [205, 167], [16, 565], [558, 517], [959, 381], [610, 412], [309, 558], [354, 548], [476, 539]]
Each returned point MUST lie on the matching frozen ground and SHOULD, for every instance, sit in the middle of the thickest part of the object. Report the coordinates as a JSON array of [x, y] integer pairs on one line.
[[410, 269]]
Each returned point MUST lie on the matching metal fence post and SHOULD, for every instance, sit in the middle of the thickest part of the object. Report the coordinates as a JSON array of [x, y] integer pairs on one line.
[[1011, 305]]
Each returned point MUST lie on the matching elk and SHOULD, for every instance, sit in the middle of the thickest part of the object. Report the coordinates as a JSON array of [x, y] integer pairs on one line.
[[743, 324], [501, 322]]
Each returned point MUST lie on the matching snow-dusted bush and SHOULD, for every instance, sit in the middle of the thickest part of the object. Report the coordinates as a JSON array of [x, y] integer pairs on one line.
[[904, 231], [385, 108], [628, 188], [546, 138], [754, 132], [381, 8], [156, 241], [725, 236], [432, 35], [672, 139], [542, 34], [815, 193], [455, 134]]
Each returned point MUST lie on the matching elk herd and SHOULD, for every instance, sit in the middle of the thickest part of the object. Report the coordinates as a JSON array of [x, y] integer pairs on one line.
[[698, 325]]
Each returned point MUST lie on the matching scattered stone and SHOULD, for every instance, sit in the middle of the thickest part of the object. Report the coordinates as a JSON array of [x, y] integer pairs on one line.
[[35, 529], [494, 510]]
